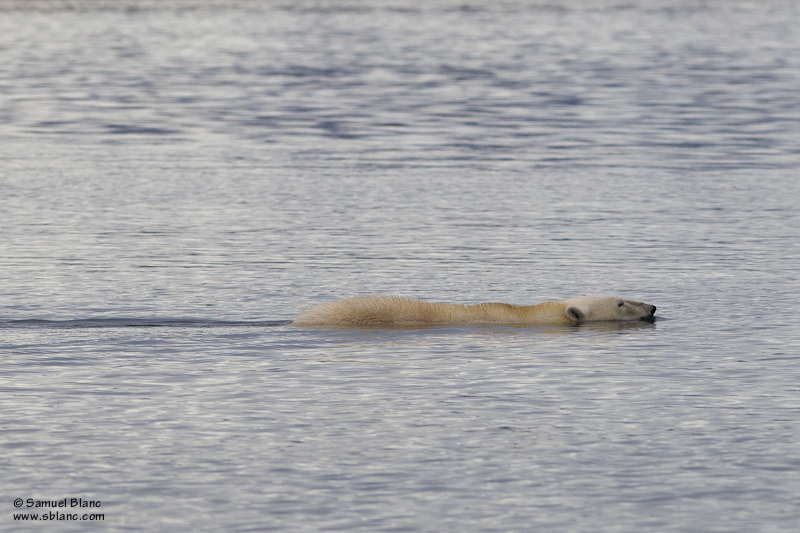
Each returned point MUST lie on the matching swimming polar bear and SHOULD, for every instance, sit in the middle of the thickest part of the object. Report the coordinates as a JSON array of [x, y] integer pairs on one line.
[[397, 311]]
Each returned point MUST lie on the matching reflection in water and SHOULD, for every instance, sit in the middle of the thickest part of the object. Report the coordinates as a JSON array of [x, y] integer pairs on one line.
[[493, 328]]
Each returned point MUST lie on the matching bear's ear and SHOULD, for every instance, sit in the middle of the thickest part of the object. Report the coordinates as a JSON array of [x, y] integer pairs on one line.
[[573, 313]]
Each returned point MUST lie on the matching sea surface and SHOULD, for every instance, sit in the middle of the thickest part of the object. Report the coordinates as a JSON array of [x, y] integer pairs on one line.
[[179, 178]]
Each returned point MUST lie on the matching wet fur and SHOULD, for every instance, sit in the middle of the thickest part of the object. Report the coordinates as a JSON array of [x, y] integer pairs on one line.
[[395, 310]]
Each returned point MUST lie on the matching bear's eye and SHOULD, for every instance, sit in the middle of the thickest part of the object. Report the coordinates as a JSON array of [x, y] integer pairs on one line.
[[621, 303]]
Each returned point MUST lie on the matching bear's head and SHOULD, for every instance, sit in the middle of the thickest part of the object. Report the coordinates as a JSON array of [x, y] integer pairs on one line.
[[603, 308]]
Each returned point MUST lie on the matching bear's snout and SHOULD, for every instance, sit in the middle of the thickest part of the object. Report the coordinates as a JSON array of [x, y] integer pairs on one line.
[[652, 310]]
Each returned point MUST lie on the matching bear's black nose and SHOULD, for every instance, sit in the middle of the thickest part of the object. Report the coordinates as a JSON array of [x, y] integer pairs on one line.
[[652, 309]]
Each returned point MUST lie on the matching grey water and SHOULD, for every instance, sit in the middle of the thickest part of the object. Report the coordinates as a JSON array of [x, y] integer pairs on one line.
[[179, 178]]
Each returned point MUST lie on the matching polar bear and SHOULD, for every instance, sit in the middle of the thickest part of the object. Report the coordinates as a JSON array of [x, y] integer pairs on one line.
[[397, 311]]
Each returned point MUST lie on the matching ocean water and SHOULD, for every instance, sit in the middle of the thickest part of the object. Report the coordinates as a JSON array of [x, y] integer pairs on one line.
[[179, 178]]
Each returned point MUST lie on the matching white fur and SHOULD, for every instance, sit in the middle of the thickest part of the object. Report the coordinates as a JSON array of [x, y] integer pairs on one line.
[[394, 310]]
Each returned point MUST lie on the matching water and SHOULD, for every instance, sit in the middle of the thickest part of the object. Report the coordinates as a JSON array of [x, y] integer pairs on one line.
[[179, 178]]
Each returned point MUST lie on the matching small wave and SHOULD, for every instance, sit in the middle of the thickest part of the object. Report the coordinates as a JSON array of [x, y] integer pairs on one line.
[[141, 323]]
